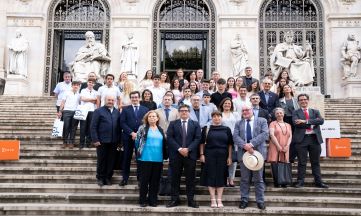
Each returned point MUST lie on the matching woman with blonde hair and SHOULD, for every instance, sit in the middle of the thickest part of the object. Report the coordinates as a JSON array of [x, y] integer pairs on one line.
[[128, 86]]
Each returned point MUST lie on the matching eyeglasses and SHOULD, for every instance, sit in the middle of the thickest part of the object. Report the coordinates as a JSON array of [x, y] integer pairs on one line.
[[246, 110], [254, 98], [302, 99], [183, 110]]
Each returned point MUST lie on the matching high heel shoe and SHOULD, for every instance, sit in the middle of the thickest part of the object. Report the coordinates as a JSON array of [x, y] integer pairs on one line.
[[213, 203], [219, 203]]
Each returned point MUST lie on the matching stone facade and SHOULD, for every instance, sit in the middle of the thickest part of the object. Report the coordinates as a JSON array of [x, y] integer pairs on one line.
[[340, 18]]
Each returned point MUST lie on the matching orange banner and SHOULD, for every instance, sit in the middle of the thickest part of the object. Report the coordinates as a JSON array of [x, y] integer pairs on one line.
[[9, 149], [339, 147]]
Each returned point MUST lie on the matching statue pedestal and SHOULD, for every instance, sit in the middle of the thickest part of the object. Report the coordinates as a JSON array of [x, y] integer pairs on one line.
[[16, 85], [317, 100], [352, 87]]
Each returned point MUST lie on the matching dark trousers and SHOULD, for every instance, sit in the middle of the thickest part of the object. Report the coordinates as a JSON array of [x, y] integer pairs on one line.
[[310, 145], [105, 160], [128, 146], [85, 130], [177, 164], [149, 178], [293, 151], [70, 126]]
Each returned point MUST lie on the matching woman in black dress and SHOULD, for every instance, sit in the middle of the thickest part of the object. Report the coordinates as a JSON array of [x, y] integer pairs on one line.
[[216, 154]]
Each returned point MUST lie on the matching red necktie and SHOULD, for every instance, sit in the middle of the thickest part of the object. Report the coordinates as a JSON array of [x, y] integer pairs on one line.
[[307, 118]]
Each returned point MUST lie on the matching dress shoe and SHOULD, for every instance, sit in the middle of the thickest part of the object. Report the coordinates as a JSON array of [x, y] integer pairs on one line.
[[143, 205], [299, 185], [107, 182], [261, 206], [243, 205], [100, 182], [123, 183], [193, 204], [153, 205], [321, 185], [172, 203]]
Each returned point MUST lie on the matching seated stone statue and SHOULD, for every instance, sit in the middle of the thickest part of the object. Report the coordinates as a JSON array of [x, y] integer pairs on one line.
[[351, 56], [296, 59], [92, 57]]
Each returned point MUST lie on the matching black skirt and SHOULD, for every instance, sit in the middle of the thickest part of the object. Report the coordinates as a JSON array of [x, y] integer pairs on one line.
[[215, 169]]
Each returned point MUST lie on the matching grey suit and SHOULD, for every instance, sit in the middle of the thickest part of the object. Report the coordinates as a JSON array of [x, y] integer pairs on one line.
[[259, 136], [204, 116], [163, 122]]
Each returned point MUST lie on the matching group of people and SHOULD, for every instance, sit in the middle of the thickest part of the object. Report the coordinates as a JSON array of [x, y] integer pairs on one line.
[[190, 119]]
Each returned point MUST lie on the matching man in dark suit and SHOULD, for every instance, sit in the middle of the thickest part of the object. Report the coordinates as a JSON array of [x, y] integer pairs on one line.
[[248, 79], [269, 100], [130, 120], [183, 136], [307, 138], [105, 136], [258, 112]]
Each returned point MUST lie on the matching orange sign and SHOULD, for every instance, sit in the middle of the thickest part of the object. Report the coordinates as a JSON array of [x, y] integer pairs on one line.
[[339, 147], [9, 149]]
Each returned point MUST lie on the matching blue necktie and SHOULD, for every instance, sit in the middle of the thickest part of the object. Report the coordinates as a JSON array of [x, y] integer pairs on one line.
[[249, 131], [166, 113]]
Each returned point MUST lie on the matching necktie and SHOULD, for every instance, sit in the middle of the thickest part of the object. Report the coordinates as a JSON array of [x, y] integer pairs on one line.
[[166, 113], [136, 111], [307, 118], [266, 95], [184, 134], [249, 131]]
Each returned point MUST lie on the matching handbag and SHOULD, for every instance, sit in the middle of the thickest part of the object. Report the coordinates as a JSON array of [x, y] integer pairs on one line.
[[164, 187], [81, 113], [57, 128], [282, 172]]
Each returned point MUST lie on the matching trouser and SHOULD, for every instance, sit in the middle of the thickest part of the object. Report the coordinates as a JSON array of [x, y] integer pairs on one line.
[[149, 178], [105, 160], [245, 183], [70, 126], [128, 146], [85, 130], [309, 145], [177, 164]]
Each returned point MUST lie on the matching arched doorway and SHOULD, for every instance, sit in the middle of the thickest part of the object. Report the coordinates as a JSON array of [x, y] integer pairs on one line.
[[68, 20], [184, 36], [305, 18]]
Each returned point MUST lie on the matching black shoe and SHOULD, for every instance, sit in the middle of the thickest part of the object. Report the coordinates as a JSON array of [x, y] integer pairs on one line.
[[321, 185], [172, 203], [193, 204], [299, 185], [153, 205], [261, 206], [143, 205], [243, 205], [123, 183], [107, 182], [100, 182]]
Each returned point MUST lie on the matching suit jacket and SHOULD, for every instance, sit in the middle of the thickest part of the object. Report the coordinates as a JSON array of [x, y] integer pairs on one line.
[[264, 114], [173, 115], [204, 116], [174, 137], [273, 101], [260, 134], [283, 104], [105, 127], [129, 122], [244, 80], [315, 119]]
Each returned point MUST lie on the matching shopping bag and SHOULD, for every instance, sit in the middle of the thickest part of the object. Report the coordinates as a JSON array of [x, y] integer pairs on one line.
[[57, 128], [81, 112], [282, 173]]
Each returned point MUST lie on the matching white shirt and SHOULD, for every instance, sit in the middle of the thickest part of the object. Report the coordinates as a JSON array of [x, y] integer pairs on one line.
[[87, 94], [72, 100], [60, 90], [238, 103], [158, 93], [105, 90]]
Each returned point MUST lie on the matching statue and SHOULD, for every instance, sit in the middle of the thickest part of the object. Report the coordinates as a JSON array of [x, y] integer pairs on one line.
[[92, 57], [18, 57], [239, 56], [350, 56], [129, 56], [298, 60]]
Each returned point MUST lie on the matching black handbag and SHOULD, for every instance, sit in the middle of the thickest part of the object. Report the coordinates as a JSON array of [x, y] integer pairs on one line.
[[164, 187], [282, 173]]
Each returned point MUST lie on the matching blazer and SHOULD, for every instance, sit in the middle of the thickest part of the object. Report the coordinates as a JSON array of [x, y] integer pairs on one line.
[[174, 138], [264, 114], [260, 134], [129, 122], [273, 101], [204, 116], [244, 80], [173, 115], [283, 104], [315, 119], [105, 126]]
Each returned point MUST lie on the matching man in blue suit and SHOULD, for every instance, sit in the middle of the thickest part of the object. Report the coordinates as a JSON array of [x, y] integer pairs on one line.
[[251, 134], [105, 136], [199, 113], [184, 136], [269, 100], [130, 120]]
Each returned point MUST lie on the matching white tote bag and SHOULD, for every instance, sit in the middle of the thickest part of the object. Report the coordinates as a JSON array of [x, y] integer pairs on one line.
[[58, 128], [81, 112]]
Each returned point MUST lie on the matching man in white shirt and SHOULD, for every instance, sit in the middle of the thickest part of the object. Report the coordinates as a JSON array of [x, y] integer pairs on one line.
[[205, 88], [109, 89], [69, 103], [242, 100], [61, 88], [157, 91], [88, 98]]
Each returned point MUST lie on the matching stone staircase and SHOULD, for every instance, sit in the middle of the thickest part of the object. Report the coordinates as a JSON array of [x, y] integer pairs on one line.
[[49, 180]]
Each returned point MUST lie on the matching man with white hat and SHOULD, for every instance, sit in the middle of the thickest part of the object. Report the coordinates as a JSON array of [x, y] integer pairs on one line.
[[250, 135]]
